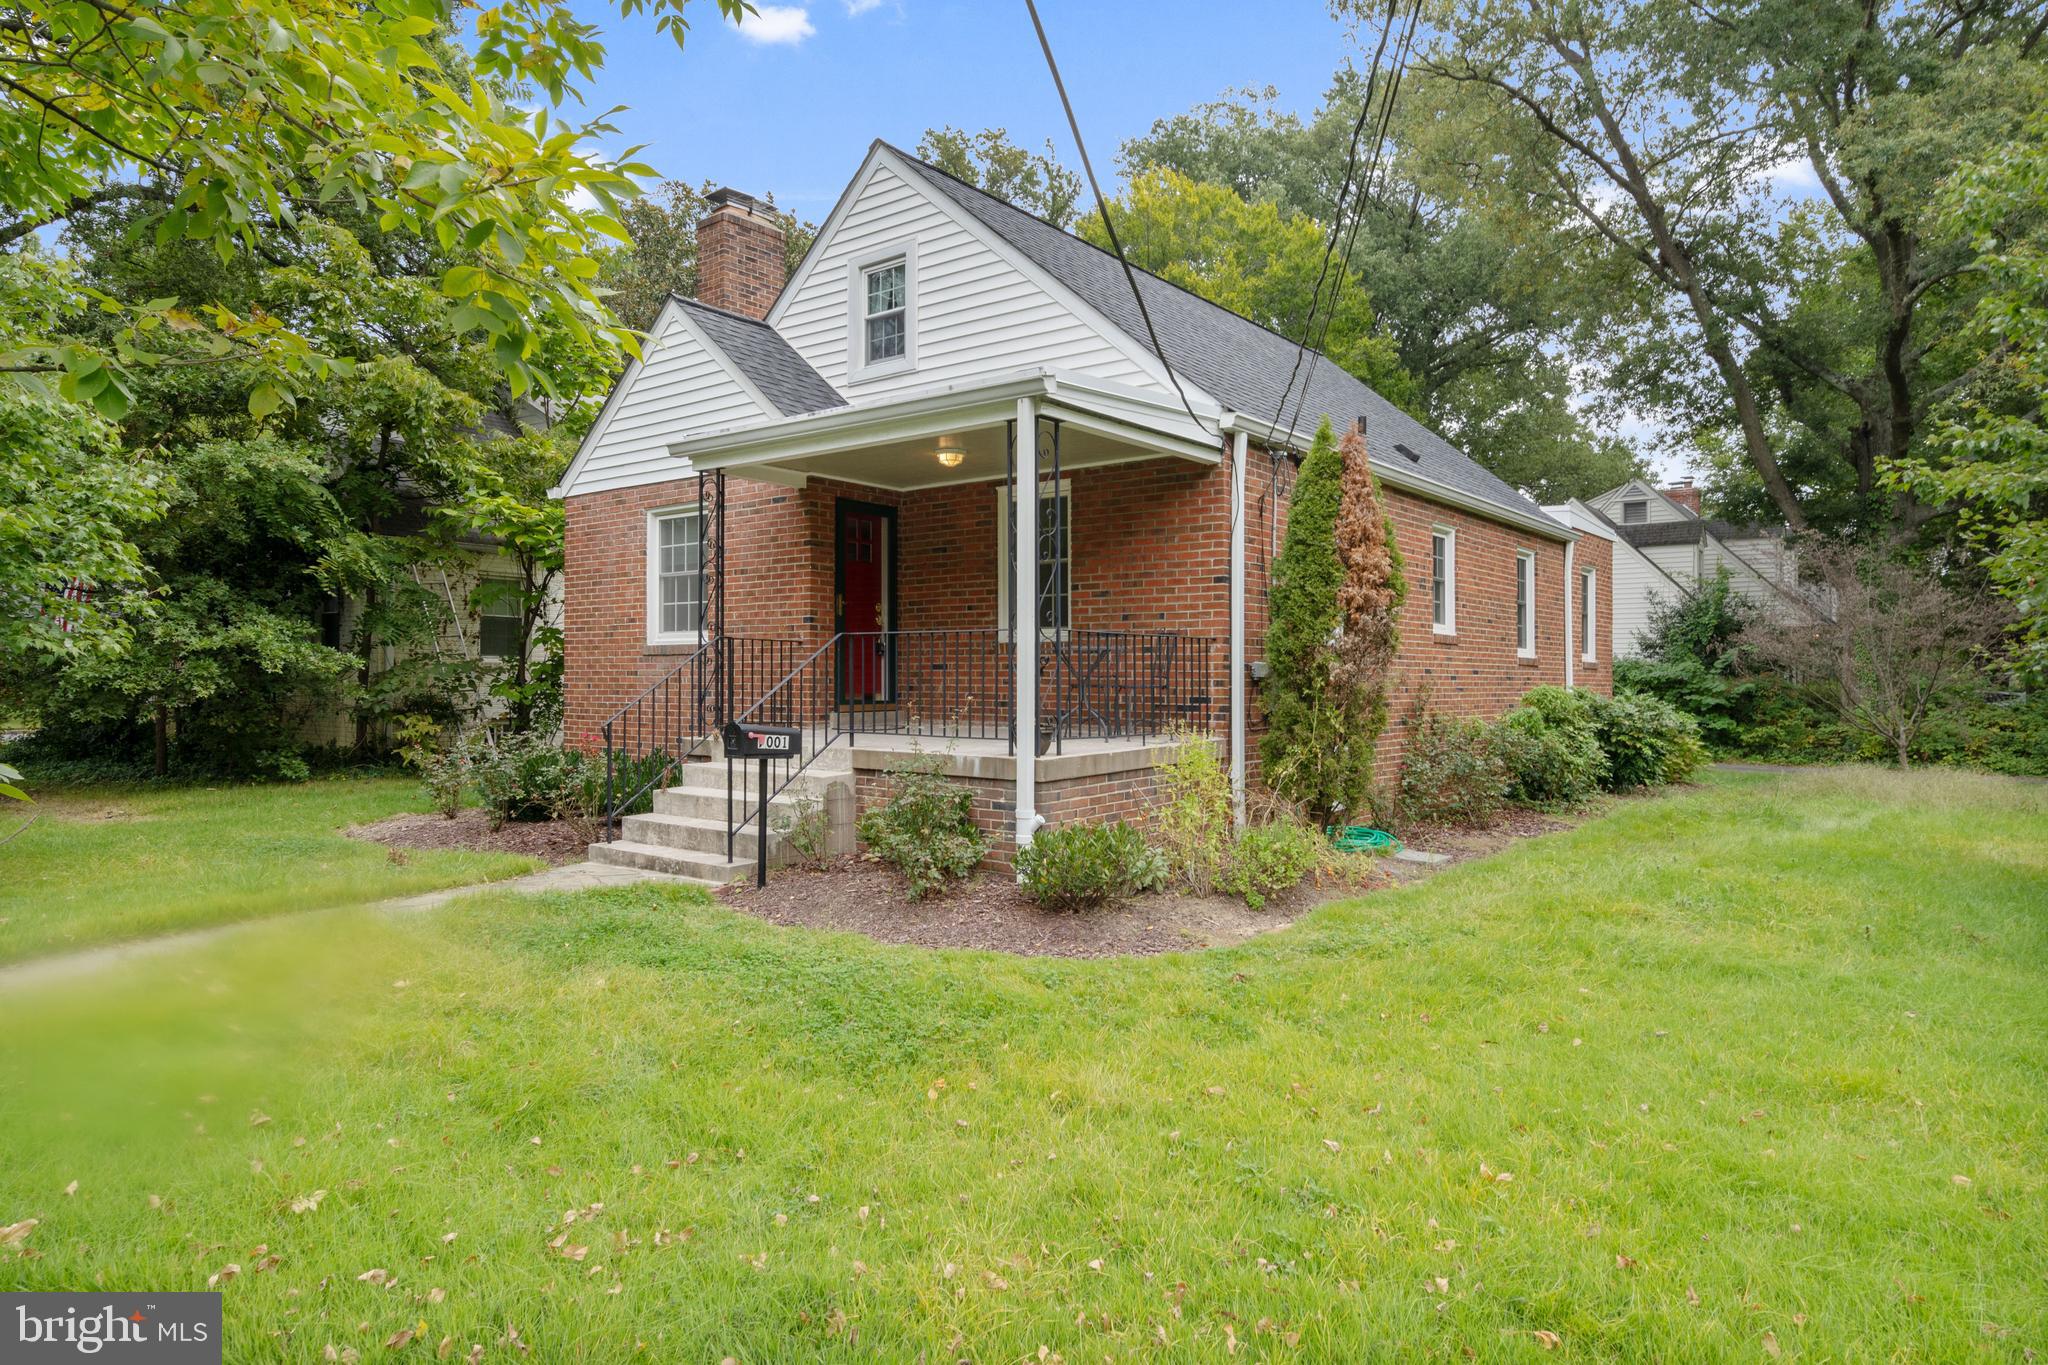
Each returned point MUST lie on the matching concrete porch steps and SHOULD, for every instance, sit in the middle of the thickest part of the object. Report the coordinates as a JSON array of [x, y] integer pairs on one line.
[[684, 835]]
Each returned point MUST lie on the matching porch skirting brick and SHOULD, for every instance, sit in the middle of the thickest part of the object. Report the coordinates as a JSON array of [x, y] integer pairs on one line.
[[1091, 787]]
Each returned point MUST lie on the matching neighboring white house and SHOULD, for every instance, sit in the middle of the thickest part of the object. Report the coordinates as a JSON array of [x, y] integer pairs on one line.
[[1664, 549]]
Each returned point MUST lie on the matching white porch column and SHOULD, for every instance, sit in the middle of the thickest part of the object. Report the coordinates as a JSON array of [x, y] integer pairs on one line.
[[1237, 669], [1024, 616]]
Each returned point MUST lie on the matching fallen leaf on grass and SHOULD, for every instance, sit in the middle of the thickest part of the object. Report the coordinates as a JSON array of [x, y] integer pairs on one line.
[[306, 1203], [72, 1188], [378, 1275], [1771, 1345], [1332, 1144], [222, 1276], [15, 1233], [1549, 1341], [1955, 1179]]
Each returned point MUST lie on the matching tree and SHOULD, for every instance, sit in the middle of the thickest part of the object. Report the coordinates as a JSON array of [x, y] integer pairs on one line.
[[1031, 180], [1329, 603], [1813, 341], [1989, 456], [1480, 319], [509, 504], [1249, 259], [1369, 598], [1900, 641], [661, 258], [228, 121]]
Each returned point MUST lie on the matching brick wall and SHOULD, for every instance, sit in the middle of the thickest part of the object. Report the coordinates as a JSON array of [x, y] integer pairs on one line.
[[1150, 552]]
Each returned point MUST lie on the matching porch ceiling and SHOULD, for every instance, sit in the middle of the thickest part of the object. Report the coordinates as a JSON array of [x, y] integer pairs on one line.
[[895, 445]]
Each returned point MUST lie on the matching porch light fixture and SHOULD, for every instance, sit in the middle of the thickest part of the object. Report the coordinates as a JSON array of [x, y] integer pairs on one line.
[[951, 455]]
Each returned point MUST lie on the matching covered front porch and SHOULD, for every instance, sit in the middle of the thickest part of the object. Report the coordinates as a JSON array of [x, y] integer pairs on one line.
[[884, 611]]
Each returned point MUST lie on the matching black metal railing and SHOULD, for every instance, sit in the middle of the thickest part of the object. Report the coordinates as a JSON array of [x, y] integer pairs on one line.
[[674, 720], [961, 684]]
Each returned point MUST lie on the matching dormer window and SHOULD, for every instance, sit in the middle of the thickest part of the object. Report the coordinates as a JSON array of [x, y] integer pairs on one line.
[[886, 297], [882, 316]]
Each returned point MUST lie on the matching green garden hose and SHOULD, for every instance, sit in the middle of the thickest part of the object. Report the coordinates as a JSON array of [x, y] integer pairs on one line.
[[1361, 839]]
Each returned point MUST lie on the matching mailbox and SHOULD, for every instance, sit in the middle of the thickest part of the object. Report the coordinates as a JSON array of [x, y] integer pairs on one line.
[[744, 739]]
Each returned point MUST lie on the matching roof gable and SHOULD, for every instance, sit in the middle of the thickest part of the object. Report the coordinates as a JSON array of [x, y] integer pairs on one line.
[[1237, 362]]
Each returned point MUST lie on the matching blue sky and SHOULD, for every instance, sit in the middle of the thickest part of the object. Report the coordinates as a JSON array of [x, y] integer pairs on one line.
[[789, 102]]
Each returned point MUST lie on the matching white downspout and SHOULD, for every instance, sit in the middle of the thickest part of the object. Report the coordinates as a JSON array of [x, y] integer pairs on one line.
[[1024, 617], [1571, 585], [1237, 664]]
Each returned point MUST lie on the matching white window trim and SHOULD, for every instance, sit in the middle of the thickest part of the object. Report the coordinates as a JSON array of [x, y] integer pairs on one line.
[[1589, 616], [1525, 643], [857, 365], [655, 634], [1449, 625], [1006, 520]]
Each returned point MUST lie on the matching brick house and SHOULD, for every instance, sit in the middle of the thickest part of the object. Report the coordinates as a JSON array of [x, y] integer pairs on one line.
[[799, 507]]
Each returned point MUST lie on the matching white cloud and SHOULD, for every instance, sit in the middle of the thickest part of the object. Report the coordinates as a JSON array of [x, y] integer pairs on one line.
[[777, 24], [856, 8]]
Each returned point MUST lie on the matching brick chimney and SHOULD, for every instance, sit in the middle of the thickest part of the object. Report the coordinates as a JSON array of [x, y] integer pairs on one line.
[[1685, 495], [739, 254]]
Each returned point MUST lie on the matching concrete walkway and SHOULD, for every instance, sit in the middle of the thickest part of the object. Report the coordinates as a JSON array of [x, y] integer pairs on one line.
[[40, 971]]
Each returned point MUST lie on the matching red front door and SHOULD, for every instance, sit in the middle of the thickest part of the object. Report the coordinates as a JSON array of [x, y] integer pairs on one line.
[[864, 603]]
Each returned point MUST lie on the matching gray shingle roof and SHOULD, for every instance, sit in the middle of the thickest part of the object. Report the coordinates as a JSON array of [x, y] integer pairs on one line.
[[784, 378], [1239, 363], [1642, 533]]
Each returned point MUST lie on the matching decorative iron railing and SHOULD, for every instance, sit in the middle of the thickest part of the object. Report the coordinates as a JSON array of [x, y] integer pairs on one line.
[[961, 684], [675, 719]]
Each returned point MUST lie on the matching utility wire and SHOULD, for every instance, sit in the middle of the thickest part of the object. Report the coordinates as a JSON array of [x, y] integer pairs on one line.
[[1366, 191], [1108, 224], [1336, 221]]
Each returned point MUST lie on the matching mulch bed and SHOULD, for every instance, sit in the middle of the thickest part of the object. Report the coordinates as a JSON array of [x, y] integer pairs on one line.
[[553, 841], [988, 911]]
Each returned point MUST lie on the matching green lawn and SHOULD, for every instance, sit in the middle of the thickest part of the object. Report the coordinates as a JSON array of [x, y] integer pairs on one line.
[[102, 864], [1758, 1070]]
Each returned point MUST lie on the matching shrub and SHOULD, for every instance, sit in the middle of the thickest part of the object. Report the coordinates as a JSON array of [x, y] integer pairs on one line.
[[424, 747], [805, 829], [926, 829], [642, 775], [524, 777], [1194, 824], [1079, 867], [1647, 742], [1550, 761], [1271, 858], [1453, 774]]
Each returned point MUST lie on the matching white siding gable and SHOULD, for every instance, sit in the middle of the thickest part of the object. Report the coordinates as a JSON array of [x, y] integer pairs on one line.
[[679, 387], [977, 310], [1656, 506]]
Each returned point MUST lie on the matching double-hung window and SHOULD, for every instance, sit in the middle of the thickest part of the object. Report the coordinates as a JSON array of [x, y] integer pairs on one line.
[[1589, 616], [1055, 557], [1525, 604], [882, 311], [1443, 580], [675, 576], [498, 619]]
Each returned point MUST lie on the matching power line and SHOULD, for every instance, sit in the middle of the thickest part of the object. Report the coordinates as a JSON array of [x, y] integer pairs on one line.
[[1108, 224], [1336, 222], [1373, 165]]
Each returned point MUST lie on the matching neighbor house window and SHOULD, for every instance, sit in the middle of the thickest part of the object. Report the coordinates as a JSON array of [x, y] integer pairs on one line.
[[498, 616], [1443, 580], [1589, 616], [1055, 557], [675, 575], [1634, 512], [1525, 604]]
